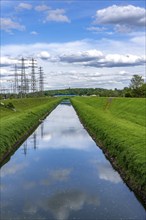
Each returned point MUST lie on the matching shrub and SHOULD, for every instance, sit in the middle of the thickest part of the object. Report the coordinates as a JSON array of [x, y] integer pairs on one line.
[[10, 105]]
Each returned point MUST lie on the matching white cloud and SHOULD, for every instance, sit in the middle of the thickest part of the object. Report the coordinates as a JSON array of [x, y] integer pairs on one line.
[[83, 56], [123, 28], [57, 15], [123, 73], [117, 60], [96, 58], [44, 55], [41, 8], [96, 29], [4, 72], [34, 33], [24, 6], [140, 40], [63, 74], [125, 18], [8, 25], [7, 61]]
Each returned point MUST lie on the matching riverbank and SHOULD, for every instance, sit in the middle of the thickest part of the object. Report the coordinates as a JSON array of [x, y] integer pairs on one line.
[[118, 125], [19, 117]]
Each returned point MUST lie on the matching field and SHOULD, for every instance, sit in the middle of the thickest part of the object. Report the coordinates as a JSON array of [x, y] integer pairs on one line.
[[118, 125], [16, 123]]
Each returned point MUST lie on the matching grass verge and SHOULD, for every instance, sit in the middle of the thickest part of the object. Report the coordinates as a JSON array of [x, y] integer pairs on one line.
[[16, 124], [118, 126]]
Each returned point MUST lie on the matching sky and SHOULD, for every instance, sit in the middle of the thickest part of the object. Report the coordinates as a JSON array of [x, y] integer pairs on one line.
[[78, 43]]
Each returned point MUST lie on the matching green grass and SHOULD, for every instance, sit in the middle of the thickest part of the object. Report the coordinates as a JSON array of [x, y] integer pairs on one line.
[[119, 127], [15, 124]]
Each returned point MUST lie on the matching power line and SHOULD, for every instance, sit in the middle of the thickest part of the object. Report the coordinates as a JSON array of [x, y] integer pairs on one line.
[[41, 79], [24, 87], [16, 80], [33, 76]]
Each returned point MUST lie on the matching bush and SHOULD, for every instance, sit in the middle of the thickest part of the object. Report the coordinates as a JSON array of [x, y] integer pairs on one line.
[[10, 105]]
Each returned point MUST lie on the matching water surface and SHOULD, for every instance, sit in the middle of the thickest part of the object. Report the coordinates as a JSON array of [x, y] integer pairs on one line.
[[59, 173]]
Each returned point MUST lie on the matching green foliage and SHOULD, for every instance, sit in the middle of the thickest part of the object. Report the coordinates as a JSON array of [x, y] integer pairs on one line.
[[85, 92], [137, 87], [143, 90], [14, 124], [10, 105], [139, 91], [118, 124], [136, 81]]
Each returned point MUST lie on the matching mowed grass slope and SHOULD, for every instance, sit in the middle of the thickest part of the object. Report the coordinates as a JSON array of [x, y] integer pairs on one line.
[[119, 127], [15, 124]]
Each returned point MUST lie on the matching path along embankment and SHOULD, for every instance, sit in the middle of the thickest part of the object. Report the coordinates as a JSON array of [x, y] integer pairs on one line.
[[19, 118], [118, 125]]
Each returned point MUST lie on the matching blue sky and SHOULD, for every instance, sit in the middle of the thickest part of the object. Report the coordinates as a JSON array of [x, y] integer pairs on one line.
[[78, 43]]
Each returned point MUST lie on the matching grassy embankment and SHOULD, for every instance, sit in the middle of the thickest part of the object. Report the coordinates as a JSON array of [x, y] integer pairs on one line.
[[119, 127], [16, 125]]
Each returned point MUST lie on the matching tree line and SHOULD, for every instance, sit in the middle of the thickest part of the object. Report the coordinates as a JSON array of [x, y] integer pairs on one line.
[[137, 88]]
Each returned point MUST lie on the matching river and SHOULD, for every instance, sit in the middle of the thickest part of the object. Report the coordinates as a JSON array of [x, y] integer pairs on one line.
[[59, 173]]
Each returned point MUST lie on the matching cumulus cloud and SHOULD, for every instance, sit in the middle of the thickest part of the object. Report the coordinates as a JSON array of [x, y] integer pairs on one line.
[[117, 60], [8, 25], [124, 18], [7, 61], [57, 15], [41, 8], [97, 59], [81, 56], [123, 28], [24, 6], [78, 72], [44, 55]]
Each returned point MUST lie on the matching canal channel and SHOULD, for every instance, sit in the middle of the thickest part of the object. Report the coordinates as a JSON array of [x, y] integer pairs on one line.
[[59, 173]]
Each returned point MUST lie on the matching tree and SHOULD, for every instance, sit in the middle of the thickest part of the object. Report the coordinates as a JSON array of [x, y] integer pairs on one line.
[[136, 86], [136, 82], [127, 92], [142, 90]]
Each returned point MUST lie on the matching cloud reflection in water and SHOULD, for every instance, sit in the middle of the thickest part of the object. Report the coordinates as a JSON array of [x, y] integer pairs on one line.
[[61, 204], [55, 176], [13, 169], [106, 171], [63, 125]]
